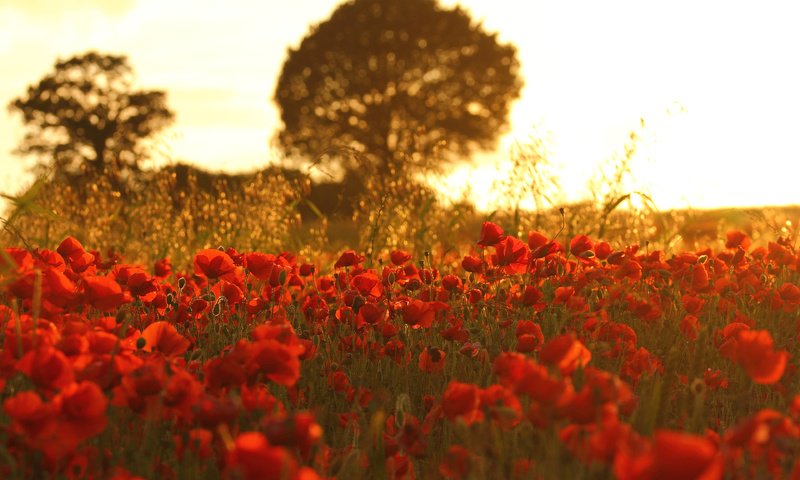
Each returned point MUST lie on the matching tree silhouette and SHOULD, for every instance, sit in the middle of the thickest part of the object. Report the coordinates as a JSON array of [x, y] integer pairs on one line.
[[392, 80], [85, 117]]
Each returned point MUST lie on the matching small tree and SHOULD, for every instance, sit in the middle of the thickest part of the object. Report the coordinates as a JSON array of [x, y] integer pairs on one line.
[[393, 80], [85, 117]]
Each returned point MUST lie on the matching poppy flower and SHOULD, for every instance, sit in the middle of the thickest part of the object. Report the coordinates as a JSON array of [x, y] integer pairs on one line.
[[83, 411], [690, 326], [602, 250], [628, 269], [212, 263], [452, 283], [735, 239], [399, 257], [511, 254], [162, 268], [456, 463], [692, 304], [790, 294], [367, 283], [260, 264], [104, 293], [30, 415], [536, 240], [278, 362], [47, 367], [431, 359], [491, 234], [300, 431], [580, 245], [566, 352], [462, 401], [501, 405], [531, 297], [164, 337], [254, 458], [472, 264], [348, 258], [421, 314], [371, 313], [529, 336], [680, 455], [756, 353], [72, 250]]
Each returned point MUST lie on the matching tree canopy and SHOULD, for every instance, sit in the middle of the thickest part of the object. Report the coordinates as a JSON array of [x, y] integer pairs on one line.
[[394, 79], [85, 117]]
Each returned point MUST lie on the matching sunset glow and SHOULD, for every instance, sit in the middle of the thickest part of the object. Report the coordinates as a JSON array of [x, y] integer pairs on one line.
[[714, 82]]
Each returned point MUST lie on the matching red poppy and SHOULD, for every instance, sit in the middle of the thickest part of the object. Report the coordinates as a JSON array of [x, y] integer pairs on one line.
[[580, 245], [163, 337], [511, 254], [104, 293], [692, 304], [679, 455], [736, 239], [371, 313], [431, 359], [756, 354], [456, 463], [300, 431], [629, 269], [462, 400], [212, 263], [72, 250], [348, 258], [47, 367], [536, 240], [602, 250], [254, 458], [278, 362], [690, 326], [30, 416], [83, 412], [420, 314], [399, 257], [531, 297], [490, 234], [367, 283], [529, 336], [472, 264], [501, 405], [162, 268], [452, 283], [790, 295], [260, 264], [566, 352]]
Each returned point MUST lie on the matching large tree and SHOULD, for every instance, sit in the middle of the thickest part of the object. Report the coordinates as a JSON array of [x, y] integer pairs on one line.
[[85, 117], [389, 78]]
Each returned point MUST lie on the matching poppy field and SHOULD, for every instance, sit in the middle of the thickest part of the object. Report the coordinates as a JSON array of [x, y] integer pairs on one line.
[[515, 358]]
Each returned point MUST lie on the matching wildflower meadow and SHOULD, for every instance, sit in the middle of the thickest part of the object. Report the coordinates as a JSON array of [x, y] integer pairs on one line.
[[520, 358]]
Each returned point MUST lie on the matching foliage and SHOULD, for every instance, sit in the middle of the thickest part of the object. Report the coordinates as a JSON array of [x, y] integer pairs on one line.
[[169, 212], [395, 80], [86, 118]]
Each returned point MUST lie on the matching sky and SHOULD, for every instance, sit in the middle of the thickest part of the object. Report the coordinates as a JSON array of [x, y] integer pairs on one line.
[[714, 81]]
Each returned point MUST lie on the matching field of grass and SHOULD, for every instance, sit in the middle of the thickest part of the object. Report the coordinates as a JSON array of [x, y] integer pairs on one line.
[[545, 355]]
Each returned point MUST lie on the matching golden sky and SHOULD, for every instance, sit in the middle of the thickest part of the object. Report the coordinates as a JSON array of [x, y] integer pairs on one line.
[[717, 83]]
